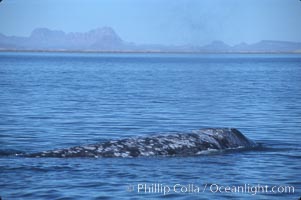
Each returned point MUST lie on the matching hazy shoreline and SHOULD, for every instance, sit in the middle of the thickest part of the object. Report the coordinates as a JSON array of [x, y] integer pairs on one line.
[[106, 40]]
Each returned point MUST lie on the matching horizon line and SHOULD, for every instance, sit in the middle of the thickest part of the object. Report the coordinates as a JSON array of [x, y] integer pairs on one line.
[[147, 52]]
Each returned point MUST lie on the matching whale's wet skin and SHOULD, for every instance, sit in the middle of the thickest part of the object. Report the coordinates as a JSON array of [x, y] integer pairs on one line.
[[181, 144]]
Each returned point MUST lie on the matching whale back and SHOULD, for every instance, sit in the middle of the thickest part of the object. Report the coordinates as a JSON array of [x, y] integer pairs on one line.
[[179, 144]]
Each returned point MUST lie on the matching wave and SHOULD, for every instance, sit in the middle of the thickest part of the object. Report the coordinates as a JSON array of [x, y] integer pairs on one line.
[[179, 144]]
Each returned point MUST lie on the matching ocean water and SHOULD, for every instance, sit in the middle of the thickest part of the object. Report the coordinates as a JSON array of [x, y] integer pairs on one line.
[[56, 100]]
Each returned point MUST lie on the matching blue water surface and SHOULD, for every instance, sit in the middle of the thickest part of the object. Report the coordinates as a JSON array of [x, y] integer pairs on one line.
[[56, 100]]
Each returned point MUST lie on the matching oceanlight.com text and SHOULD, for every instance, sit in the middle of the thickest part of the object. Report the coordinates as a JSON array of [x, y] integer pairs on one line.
[[252, 189]]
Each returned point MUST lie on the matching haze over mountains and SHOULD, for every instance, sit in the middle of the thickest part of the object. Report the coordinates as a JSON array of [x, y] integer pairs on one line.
[[106, 39]]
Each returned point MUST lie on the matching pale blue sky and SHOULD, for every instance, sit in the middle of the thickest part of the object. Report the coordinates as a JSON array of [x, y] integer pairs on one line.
[[160, 21]]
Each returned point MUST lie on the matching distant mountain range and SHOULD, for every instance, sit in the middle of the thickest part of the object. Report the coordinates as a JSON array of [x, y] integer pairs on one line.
[[105, 39]]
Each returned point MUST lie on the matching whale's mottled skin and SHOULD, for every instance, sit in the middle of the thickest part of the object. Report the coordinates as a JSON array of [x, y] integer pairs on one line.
[[180, 144]]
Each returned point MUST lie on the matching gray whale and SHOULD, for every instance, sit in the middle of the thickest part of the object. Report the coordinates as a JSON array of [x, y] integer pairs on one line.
[[178, 144]]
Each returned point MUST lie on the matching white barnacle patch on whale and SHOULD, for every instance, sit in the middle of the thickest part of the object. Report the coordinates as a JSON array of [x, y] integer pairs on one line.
[[197, 142], [92, 148]]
